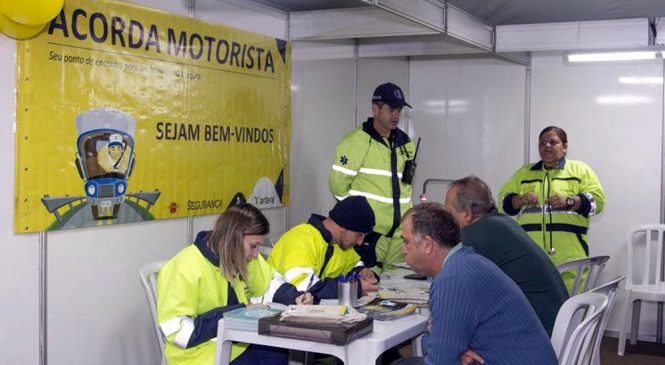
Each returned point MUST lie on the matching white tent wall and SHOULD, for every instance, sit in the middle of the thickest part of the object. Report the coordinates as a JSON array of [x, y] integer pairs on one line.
[[322, 110], [469, 113], [19, 278]]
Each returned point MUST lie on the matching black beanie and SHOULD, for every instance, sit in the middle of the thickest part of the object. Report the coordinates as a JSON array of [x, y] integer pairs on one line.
[[353, 213]]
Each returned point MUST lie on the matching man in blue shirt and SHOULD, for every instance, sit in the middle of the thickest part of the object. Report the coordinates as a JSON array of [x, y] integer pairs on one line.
[[474, 305]]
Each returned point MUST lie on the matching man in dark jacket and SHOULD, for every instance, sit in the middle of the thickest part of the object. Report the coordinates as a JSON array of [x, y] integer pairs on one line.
[[501, 240]]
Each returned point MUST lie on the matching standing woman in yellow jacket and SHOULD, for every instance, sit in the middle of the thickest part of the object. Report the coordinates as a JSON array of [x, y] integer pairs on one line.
[[221, 271], [554, 200]]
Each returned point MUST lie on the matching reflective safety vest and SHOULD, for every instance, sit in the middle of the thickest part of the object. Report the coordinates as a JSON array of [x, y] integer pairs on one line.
[[299, 255], [562, 230], [188, 286], [369, 165]]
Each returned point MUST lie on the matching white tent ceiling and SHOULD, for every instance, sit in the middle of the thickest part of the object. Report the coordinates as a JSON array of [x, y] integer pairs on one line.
[[437, 27], [502, 12]]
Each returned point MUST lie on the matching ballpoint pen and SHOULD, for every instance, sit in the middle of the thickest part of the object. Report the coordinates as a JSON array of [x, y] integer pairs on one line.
[[311, 280]]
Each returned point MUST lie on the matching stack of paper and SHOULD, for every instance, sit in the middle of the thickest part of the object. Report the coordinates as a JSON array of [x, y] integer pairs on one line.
[[247, 318], [413, 295], [321, 314]]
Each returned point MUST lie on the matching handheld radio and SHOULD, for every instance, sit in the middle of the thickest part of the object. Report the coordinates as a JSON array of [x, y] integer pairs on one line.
[[410, 167]]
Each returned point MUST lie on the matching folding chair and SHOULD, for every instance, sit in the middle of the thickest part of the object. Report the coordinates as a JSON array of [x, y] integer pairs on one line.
[[148, 275], [587, 272], [574, 336], [610, 289], [645, 278]]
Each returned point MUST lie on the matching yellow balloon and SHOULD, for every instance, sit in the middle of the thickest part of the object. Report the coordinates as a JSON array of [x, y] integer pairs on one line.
[[15, 30], [31, 12]]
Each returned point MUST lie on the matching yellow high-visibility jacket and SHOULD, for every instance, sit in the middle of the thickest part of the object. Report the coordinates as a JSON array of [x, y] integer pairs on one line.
[[564, 230], [369, 165], [300, 255], [192, 295]]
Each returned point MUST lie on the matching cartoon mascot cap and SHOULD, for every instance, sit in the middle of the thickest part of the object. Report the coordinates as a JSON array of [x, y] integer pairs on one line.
[[116, 139]]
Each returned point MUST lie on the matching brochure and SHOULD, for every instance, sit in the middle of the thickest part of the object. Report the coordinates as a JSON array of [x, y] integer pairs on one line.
[[384, 310]]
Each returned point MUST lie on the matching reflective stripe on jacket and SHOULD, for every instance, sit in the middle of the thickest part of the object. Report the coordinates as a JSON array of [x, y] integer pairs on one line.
[[192, 295], [568, 227], [299, 256], [369, 165]]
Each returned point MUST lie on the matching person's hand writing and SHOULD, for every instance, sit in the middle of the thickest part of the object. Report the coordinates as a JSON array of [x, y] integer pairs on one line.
[[369, 285], [305, 298], [469, 358]]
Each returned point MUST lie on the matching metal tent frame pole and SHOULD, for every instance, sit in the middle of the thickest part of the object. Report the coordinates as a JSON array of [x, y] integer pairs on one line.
[[43, 298]]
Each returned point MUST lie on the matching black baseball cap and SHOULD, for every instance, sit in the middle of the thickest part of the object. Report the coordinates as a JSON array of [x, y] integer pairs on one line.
[[390, 94]]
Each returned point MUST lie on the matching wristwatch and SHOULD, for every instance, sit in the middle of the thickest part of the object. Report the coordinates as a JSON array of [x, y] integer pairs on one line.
[[570, 202]]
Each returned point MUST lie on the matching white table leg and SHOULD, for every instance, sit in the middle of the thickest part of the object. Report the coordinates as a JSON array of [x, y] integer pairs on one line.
[[223, 352]]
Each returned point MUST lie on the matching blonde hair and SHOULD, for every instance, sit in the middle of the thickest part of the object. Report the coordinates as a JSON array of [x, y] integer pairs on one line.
[[226, 239]]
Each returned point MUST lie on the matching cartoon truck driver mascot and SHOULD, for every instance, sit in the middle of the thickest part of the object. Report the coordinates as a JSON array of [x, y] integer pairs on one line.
[[112, 157]]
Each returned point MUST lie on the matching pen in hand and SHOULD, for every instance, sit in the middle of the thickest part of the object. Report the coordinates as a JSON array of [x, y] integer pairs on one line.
[[353, 277], [306, 297], [311, 280]]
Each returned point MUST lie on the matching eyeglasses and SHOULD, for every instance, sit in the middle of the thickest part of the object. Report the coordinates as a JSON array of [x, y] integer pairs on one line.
[[551, 142]]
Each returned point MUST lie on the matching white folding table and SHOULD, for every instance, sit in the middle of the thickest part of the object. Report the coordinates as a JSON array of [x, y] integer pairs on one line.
[[362, 351]]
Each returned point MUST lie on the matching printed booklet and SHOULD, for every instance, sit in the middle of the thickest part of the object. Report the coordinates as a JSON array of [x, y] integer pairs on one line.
[[247, 319], [384, 310]]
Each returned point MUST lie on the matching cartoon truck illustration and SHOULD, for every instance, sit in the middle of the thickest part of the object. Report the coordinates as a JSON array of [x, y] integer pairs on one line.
[[105, 158]]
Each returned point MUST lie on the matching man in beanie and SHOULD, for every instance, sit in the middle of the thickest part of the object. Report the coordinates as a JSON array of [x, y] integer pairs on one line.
[[370, 161], [312, 255]]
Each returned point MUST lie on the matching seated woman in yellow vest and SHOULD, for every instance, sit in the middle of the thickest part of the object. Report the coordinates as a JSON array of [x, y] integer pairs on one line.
[[221, 271]]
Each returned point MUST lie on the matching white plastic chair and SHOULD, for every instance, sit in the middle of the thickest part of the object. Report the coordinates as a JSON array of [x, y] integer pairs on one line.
[[148, 275], [574, 336], [595, 266], [610, 289], [644, 277]]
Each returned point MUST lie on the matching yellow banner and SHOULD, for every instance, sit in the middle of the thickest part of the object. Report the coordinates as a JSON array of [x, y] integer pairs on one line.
[[126, 114]]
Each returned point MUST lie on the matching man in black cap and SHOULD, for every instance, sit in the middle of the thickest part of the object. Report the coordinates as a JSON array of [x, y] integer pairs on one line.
[[370, 161], [313, 255]]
